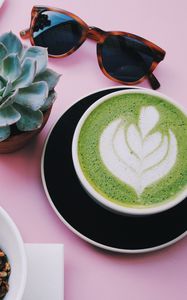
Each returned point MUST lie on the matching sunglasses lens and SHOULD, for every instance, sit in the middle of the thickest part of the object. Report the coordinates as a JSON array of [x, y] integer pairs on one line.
[[56, 31], [126, 58]]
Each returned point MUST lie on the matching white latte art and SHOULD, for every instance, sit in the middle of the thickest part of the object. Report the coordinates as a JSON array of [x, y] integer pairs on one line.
[[134, 155]]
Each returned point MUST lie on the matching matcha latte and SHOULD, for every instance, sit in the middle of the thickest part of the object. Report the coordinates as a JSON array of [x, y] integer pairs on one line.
[[130, 152]]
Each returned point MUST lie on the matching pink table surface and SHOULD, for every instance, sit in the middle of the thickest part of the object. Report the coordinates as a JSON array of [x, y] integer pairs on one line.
[[89, 272]]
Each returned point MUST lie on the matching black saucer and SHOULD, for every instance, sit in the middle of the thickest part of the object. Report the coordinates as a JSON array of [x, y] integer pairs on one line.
[[86, 218]]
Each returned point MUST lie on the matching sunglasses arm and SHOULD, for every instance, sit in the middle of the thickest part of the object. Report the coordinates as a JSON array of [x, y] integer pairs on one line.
[[25, 34], [155, 84]]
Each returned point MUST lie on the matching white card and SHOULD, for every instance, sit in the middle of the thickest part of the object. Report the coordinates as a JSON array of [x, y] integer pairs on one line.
[[45, 278]]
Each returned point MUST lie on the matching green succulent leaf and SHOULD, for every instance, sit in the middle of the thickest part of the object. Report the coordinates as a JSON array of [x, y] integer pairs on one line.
[[34, 96], [7, 88], [1, 93], [4, 133], [11, 67], [49, 101], [12, 43], [30, 120], [3, 82], [27, 73], [40, 55], [9, 116], [3, 51], [50, 77], [26, 85], [9, 100]]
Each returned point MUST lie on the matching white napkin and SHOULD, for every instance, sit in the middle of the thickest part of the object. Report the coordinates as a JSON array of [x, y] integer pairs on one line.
[[45, 278]]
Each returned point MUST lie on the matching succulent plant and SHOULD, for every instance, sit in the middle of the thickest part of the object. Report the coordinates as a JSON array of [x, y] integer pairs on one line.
[[26, 85]]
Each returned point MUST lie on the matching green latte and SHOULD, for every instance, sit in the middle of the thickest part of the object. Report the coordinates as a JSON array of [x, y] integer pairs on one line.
[[132, 149]]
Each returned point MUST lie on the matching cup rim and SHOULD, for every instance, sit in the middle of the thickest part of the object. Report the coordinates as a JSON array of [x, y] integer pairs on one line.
[[21, 247], [87, 186]]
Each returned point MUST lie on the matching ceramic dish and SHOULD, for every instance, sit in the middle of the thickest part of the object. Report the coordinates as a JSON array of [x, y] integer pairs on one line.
[[12, 244], [90, 221]]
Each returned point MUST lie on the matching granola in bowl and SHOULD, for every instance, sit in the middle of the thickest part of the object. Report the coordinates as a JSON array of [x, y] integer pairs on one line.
[[4, 274]]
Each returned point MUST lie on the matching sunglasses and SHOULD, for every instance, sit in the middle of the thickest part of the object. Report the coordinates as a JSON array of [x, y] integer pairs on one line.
[[122, 56]]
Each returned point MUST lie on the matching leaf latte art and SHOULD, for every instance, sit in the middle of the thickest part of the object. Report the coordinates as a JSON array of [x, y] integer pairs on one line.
[[132, 151], [135, 153]]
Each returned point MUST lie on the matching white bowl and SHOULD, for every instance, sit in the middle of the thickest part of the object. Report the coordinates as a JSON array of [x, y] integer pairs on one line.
[[1, 2], [88, 187], [12, 244]]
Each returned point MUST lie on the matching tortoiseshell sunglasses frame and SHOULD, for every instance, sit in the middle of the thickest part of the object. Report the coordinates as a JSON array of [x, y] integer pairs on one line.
[[99, 36]]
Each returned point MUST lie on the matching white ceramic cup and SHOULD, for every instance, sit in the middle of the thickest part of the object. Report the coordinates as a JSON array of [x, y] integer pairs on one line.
[[89, 188], [12, 244]]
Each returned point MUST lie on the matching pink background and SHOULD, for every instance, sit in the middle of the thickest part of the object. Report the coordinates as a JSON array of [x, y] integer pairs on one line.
[[89, 272]]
